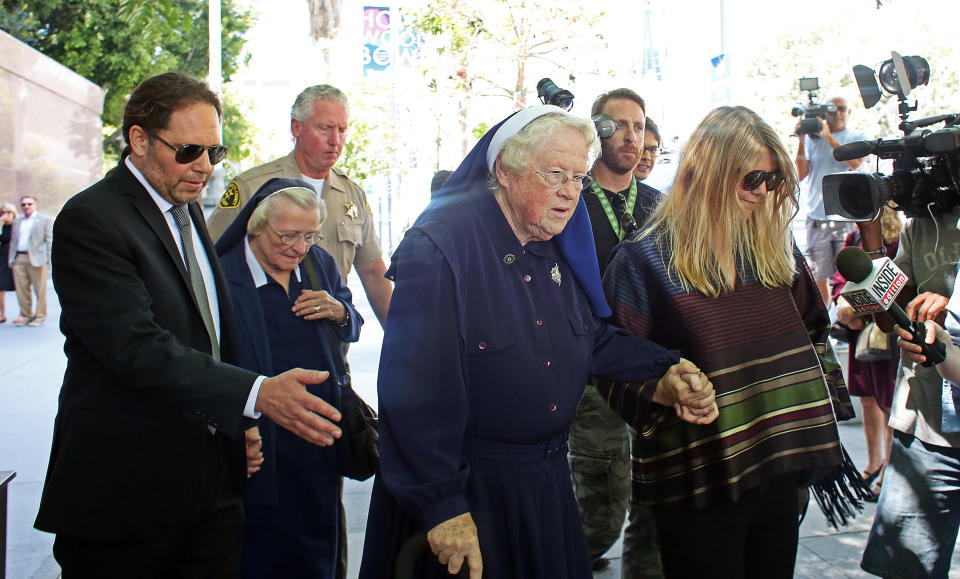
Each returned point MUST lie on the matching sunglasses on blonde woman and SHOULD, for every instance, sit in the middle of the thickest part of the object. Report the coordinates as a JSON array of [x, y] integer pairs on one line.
[[753, 179]]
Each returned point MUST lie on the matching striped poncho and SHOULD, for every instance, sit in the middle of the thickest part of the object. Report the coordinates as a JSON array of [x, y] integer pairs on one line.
[[777, 380]]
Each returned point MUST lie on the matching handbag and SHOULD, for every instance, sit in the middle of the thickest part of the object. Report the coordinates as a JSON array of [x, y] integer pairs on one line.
[[358, 450], [874, 346]]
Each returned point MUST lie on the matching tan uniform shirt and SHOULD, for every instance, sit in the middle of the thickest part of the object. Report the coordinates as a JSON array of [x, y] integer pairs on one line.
[[349, 232]]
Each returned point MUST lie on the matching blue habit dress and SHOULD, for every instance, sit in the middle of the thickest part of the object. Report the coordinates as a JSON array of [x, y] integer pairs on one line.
[[486, 350], [291, 503]]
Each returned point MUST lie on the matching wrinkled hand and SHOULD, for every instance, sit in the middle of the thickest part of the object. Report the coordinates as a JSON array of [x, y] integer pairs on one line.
[[688, 390], [254, 446], [284, 398], [847, 316], [454, 541], [319, 305], [928, 306]]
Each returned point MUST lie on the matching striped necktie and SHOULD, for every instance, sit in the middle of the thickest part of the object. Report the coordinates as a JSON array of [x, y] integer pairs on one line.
[[182, 219]]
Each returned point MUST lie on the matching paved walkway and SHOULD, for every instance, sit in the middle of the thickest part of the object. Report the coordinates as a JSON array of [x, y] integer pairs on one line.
[[31, 370]]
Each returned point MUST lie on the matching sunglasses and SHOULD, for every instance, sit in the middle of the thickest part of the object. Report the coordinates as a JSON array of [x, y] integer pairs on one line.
[[753, 179], [185, 154]]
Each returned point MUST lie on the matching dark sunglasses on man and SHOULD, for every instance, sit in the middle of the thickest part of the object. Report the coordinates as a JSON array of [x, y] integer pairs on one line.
[[753, 179], [185, 154]]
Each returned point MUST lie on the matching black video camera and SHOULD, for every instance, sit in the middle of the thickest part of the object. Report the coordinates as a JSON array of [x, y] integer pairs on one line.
[[926, 164], [812, 112], [550, 94]]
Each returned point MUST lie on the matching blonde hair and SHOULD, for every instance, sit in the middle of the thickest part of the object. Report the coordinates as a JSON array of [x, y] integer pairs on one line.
[[890, 224], [10, 207], [703, 205], [299, 196]]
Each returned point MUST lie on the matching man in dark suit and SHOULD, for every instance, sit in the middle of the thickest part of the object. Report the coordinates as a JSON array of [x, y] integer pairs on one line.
[[147, 465]]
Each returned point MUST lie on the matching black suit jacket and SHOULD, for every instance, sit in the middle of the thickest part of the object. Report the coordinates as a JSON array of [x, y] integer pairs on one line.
[[140, 388]]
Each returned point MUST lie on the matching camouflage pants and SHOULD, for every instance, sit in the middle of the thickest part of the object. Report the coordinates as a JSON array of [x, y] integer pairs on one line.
[[641, 551], [600, 470]]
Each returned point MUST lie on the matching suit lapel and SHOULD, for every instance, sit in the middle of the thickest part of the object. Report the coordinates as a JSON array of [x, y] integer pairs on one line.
[[154, 218], [157, 222]]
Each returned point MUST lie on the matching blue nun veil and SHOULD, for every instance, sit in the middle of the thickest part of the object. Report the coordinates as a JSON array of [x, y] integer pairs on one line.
[[575, 242]]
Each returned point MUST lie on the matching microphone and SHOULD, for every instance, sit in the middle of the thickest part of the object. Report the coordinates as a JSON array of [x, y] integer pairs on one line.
[[872, 285], [854, 150]]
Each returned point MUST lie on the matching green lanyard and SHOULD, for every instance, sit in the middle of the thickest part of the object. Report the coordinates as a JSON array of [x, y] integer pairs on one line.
[[631, 202]]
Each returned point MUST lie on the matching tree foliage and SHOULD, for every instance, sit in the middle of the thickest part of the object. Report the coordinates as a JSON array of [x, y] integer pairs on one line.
[[118, 43], [823, 53], [483, 49]]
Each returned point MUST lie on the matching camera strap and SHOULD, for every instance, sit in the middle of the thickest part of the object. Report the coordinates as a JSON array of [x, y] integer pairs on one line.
[[608, 209]]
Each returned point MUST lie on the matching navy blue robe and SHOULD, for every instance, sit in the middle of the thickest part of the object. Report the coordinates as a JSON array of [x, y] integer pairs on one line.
[[291, 503], [486, 350]]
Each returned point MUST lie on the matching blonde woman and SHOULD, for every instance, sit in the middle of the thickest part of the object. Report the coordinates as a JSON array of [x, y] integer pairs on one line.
[[716, 274], [8, 212]]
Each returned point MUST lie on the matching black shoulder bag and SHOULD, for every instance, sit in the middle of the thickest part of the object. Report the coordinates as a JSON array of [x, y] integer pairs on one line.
[[358, 450]]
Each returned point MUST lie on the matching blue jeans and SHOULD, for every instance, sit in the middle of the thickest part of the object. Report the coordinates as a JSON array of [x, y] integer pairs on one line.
[[918, 515]]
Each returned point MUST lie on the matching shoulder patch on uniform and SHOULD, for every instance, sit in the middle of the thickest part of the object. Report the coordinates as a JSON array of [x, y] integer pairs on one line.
[[231, 197]]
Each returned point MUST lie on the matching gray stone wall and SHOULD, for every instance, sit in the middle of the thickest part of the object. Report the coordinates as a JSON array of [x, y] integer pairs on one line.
[[51, 142]]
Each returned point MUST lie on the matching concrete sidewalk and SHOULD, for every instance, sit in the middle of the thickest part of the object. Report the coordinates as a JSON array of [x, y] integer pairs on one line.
[[31, 370]]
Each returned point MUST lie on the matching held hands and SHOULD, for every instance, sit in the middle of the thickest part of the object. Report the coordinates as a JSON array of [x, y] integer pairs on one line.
[[454, 541], [284, 398], [254, 450], [689, 392], [319, 305]]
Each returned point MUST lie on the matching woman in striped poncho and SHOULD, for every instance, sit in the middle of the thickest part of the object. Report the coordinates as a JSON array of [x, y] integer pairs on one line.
[[716, 274]]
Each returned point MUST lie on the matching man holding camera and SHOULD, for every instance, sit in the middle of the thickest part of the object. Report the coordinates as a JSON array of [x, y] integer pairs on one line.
[[814, 160]]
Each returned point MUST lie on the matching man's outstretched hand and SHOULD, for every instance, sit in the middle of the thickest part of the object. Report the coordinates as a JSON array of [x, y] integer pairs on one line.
[[285, 400]]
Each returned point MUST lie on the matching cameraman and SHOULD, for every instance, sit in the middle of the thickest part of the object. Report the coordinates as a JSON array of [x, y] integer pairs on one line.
[[917, 518], [814, 160]]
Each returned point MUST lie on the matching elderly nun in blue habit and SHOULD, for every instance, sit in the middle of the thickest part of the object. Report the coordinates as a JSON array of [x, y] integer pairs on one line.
[[494, 327], [267, 254]]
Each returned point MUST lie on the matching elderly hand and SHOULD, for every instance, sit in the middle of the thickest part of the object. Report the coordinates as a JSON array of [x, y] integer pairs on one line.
[[254, 446], [454, 541], [928, 306], [688, 390], [319, 305], [284, 398]]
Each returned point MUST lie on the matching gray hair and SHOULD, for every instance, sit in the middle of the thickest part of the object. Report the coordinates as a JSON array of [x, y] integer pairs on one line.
[[518, 148], [12, 208], [299, 196], [303, 106]]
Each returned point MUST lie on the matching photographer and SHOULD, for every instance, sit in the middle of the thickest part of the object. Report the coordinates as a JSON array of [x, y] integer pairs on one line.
[[814, 160], [918, 515]]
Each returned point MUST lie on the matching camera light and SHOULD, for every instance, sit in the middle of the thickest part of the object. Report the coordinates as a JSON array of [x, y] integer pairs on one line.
[[917, 71]]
